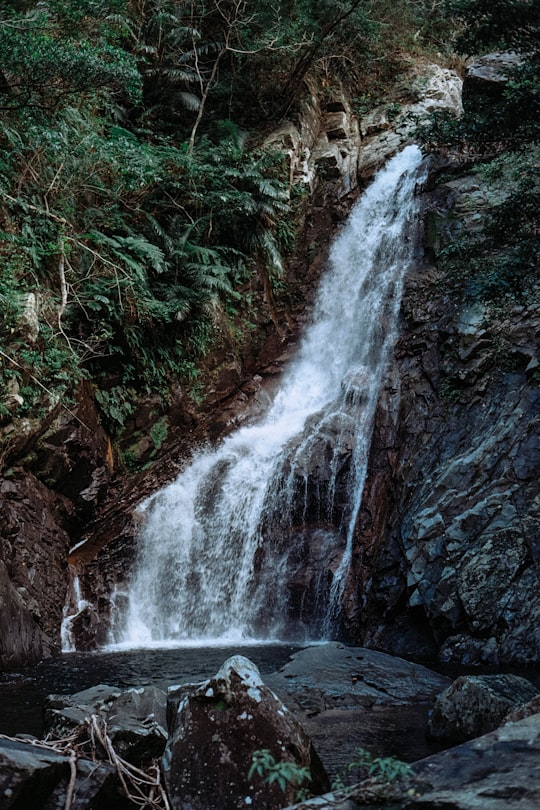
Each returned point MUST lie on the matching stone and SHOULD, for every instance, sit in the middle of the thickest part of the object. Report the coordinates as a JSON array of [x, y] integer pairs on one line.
[[523, 711], [33, 776], [437, 89], [332, 675], [462, 649], [29, 319], [135, 718], [499, 771], [351, 697], [487, 75], [476, 704], [218, 726], [21, 639], [84, 629], [336, 126]]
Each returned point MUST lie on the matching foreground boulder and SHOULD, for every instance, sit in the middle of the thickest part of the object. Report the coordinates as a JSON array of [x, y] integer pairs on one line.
[[33, 777], [499, 771], [216, 730], [476, 704], [135, 718]]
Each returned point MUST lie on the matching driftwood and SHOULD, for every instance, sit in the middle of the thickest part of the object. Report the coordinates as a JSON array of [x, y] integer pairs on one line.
[[90, 741]]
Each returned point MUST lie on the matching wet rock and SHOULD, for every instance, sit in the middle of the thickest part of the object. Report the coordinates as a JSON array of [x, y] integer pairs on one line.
[[217, 728], [135, 718], [436, 88], [331, 676], [84, 629], [34, 540], [35, 777], [498, 771], [21, 640], [462, 649], [351, 697], [523, 711], [476, 704], [455, 553]]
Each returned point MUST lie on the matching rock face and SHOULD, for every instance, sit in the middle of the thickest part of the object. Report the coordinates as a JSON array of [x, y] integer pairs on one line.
[[34, 542], [217, 727], [61, 466], [487, 76], [387, 128], [476, 704], [447, 553]]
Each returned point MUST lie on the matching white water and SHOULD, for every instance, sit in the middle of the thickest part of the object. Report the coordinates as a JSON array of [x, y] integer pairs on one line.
[[218, 546], [75, 604]]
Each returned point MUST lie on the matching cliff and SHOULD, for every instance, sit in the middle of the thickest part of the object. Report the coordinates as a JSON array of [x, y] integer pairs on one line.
[[445, 558]]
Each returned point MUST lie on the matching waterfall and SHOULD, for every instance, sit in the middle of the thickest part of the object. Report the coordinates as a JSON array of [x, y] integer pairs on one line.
[[74, 606], [255, 538]]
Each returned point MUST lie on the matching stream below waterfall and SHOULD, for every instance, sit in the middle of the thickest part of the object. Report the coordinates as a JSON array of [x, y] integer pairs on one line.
[[22, 693], [255, 539]]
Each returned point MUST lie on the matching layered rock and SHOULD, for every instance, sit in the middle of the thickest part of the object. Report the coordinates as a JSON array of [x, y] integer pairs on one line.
[[455, 450], [447, 555], [61, 467]]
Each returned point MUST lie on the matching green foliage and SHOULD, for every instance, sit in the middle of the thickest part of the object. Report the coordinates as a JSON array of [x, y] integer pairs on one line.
[[159, 432], [503, 258], [284, 773], [128, 229], [116, 406], [488, 24], [499, 261], [383, 769], [491, 124], [41, 63]]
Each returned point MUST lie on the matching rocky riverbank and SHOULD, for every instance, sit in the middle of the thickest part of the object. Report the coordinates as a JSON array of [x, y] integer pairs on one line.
[[235, 741]]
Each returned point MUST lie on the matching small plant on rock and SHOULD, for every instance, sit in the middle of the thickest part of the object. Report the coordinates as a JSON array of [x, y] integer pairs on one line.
[[383, 769], [284, 773]]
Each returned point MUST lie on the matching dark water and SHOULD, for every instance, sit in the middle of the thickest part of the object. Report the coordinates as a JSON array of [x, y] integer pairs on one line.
[[22, 693]]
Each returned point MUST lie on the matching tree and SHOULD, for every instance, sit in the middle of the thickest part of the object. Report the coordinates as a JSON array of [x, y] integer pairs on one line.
[[486, 24]]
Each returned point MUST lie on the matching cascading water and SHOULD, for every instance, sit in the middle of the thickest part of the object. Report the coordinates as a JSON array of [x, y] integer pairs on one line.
[[225, 548]]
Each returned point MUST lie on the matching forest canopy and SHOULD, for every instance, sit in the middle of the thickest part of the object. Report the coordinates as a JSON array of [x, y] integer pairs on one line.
[[136, 195]]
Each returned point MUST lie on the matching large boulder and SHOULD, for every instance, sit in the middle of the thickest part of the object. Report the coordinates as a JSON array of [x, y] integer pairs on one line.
[[334, 676], [487, 76], [217, 728], [135, 719], [476, 704], [499, 771], [34, 777], [351, 697]]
